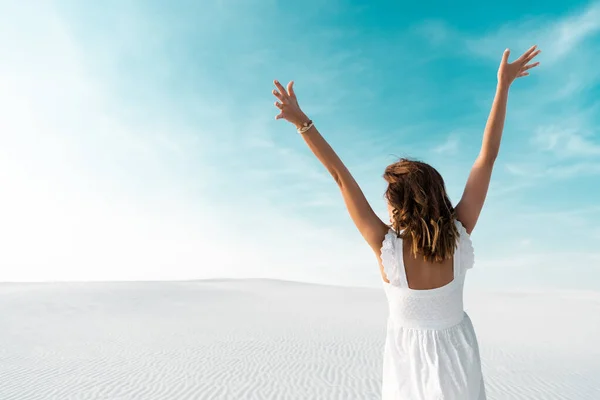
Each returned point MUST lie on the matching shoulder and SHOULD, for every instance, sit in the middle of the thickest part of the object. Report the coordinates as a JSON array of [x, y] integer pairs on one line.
[[462, 230], [377, 235]]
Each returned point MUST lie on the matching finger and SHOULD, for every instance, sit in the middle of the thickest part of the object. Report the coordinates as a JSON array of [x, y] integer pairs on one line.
[[278, 95], [281, 89], [505, 56], [527, 53], [527, 67], [290, 89], [279, 105], [522, 74], [279, 116], [531, 56]]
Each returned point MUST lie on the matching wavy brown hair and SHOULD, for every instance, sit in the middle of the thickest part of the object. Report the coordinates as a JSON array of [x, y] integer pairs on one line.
[[421, 210]]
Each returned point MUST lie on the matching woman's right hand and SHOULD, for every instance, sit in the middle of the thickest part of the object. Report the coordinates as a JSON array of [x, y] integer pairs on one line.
[[288, 104], [508, 72]]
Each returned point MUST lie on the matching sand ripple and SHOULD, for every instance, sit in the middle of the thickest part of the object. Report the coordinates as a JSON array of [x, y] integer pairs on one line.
[[255, 339]]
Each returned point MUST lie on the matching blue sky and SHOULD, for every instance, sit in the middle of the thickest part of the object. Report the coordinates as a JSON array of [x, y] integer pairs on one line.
[[138, 140]]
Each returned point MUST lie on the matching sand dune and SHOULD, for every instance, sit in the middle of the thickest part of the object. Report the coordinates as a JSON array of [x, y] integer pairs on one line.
[[263, 339]]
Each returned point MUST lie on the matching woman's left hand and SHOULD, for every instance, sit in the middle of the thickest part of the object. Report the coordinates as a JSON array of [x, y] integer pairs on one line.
[[288, 104]]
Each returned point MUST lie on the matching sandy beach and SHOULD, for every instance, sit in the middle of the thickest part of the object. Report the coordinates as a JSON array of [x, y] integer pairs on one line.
[[268, 339]]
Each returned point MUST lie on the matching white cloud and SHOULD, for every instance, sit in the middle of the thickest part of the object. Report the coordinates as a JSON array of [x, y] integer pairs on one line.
[[450, 146], [558, 39], [573, 217], [533, 172], [436, 32], [554, 260], [568, 142], [523, 170], [568, 33], [526, 242]]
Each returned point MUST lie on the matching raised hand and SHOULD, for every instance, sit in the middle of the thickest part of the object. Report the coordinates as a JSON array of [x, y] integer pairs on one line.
[[508, 72], [288, 104]]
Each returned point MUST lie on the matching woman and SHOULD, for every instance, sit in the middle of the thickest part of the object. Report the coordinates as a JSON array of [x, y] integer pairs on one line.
[[431, 350]]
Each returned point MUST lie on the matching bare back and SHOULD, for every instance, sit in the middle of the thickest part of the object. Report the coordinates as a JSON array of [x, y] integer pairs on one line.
[[421, 274], [424, 275]]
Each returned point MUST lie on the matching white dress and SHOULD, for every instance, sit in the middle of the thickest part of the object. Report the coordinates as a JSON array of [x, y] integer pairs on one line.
[[431, 351]]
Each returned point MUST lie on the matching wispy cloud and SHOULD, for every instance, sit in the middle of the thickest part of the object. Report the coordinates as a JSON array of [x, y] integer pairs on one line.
[[561, 260], [450, 146], [566, 142], [535, 171], [571, 216], [558, 38]]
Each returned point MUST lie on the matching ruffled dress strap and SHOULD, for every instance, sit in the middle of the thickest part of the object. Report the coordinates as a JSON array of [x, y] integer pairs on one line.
[[391, 258], [465, 252]]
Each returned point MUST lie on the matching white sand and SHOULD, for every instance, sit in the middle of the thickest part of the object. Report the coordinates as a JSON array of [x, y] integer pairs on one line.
[[262, 339]]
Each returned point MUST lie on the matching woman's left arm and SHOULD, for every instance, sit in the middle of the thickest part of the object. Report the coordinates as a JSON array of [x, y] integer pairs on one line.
[[368, 223], [470, 205]]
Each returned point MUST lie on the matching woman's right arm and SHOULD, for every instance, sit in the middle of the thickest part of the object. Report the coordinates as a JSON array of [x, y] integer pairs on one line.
[[470, 205], [367, 222]]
